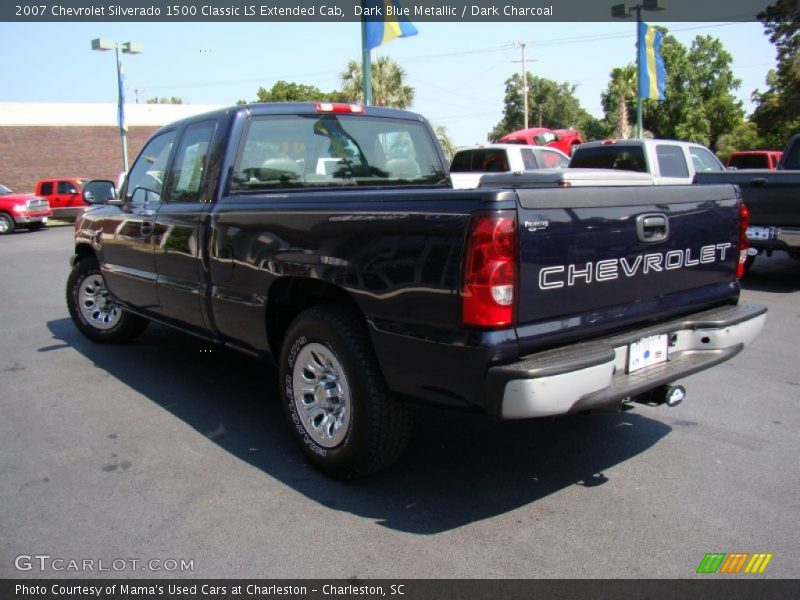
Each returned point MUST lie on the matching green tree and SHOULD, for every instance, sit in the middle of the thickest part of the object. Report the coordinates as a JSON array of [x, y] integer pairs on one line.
[[712, 80], [388, 84], [778, 112], [289, 91], [172, 100], [448, 145], [743, 137], [681, 116], [549, 102]]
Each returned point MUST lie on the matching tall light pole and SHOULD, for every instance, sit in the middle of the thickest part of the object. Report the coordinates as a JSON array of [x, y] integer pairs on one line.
[[622, 11], [523, 45], [103, 44]]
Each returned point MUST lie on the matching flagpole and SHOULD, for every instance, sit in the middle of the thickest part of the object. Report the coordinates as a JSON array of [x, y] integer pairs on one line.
[[366, 63], [639, 127]]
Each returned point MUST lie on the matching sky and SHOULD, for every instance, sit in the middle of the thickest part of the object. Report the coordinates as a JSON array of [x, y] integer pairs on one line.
[[457, 69]]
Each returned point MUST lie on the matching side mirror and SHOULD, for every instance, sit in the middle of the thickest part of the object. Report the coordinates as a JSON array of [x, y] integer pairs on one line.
[[99, 191]]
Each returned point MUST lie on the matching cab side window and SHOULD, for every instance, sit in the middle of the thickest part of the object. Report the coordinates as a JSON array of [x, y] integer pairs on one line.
[[65, 187], [528, 159], [47, 188], [146, 178], [190, 164], [671, 161]]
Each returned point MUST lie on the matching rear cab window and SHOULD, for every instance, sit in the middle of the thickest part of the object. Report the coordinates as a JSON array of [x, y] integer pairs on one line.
[[622, 157], [334, 150]]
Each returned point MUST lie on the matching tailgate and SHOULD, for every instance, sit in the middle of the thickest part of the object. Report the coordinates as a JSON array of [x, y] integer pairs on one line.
[[594, 259]]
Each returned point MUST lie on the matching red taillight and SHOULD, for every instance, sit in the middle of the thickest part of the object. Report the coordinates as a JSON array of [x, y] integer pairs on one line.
[[339, 107], [744, 223], [490, 273]]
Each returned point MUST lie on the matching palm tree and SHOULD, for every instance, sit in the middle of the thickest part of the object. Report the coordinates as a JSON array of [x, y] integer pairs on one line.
[[623, 81], [388, 84], [447, 143]]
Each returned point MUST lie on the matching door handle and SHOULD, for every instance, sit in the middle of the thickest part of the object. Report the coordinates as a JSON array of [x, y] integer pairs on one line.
[[652, 227]]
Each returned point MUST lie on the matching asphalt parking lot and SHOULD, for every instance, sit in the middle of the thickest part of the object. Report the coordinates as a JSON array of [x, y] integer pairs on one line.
[[168, 449]]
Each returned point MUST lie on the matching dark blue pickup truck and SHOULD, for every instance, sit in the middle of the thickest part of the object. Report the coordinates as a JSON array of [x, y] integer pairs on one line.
[[329, 236], [773, 201]]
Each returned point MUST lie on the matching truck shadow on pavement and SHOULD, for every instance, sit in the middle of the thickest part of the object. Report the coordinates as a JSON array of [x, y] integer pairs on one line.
[[778, 274], [460, 468]]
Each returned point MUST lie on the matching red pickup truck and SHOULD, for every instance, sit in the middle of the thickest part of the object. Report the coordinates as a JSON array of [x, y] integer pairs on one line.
[[755, 159], [21, 210], [64, 195], [565, 140]]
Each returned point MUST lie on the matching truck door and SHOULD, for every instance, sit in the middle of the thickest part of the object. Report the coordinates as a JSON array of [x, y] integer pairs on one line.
[[128, 262], [179, 238]]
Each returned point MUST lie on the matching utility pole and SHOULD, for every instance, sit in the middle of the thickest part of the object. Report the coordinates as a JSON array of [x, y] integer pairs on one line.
[[522, 46]]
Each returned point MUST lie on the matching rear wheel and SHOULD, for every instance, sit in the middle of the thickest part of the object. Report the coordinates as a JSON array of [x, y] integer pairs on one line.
[[6, 224], [334, 396], [93, 309]]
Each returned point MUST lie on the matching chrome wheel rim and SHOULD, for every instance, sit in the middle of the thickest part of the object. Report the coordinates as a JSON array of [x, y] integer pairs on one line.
[[96, 304], [4, 224], [321, 395]]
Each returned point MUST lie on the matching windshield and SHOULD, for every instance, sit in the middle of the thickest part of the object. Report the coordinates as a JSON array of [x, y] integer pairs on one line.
[[4, 190], [545, 138], [333, 151]]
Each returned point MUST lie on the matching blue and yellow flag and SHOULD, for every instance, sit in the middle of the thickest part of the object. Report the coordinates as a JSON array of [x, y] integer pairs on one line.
[[383, 23], [652, 74]]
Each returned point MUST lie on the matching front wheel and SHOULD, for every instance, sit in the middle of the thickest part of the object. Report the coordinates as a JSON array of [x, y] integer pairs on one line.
[[6, 224], [93, 309], [334, 396]]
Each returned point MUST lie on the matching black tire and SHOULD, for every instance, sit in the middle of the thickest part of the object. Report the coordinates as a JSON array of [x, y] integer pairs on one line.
[[751, 258], [124, 325], [6, 224], [36, 226], [378, 426]]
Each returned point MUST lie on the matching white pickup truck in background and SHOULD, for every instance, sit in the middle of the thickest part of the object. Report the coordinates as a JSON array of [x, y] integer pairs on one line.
[[470, 164], [670, 162]]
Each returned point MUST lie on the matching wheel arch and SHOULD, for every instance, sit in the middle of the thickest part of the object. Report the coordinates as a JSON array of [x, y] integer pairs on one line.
[[289, 296], [83, 251]]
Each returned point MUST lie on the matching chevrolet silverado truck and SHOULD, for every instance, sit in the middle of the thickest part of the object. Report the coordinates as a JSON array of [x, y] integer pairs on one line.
[[374, 283], [773, 200]]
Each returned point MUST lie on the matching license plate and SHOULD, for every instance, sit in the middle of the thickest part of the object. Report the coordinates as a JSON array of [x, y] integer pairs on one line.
[[44, 220], [647, 351], [759, 233]]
